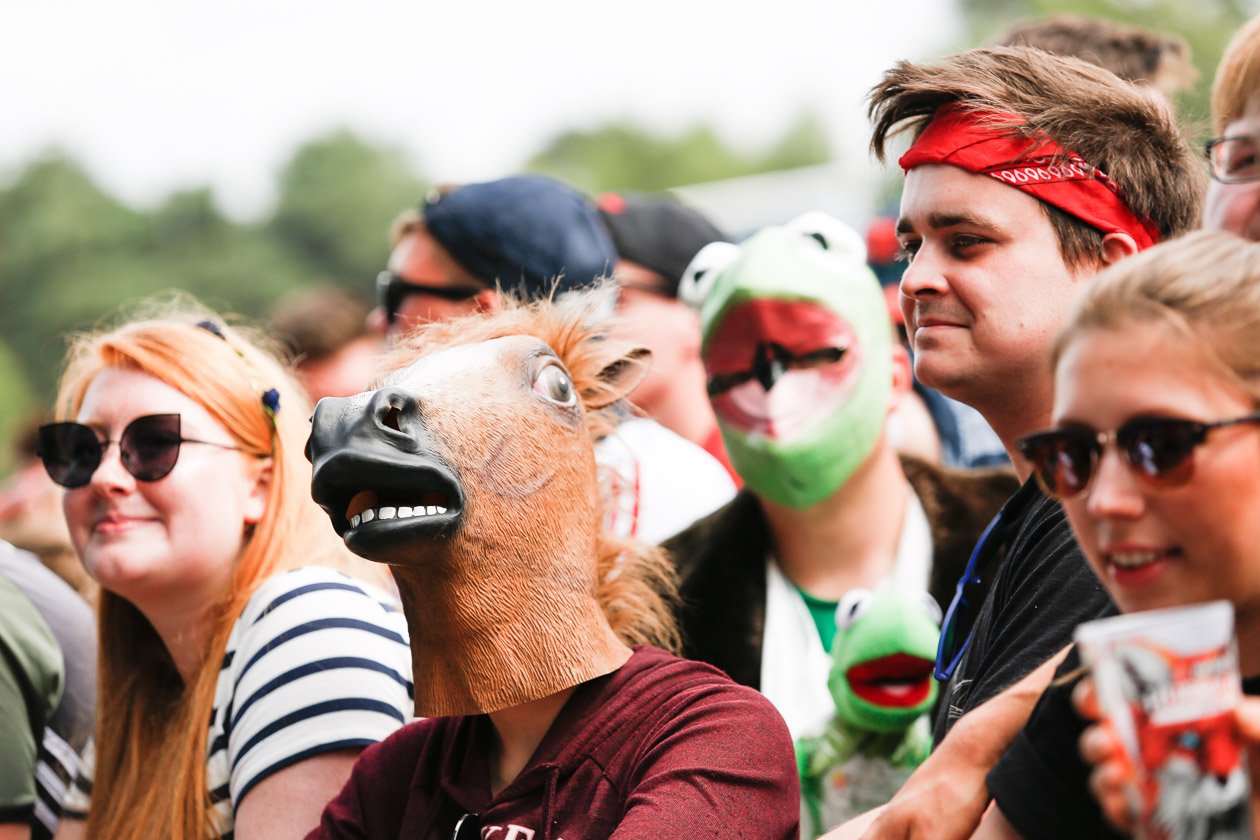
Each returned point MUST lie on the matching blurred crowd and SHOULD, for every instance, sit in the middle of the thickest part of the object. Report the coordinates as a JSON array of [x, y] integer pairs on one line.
[[591, 519]]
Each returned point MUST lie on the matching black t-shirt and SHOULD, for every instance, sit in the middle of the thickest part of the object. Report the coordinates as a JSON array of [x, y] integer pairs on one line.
[[1042, 783], [1042, 588]]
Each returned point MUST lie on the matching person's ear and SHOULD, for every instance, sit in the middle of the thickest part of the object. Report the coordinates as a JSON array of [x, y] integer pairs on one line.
[[377, 323], [902, 376], [256, 502], [488, 301], [1117, 246]]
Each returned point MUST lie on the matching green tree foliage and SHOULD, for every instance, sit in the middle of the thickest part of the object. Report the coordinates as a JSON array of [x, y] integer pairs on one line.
[[17, 402], [1205, 24], [56, 230], [805, 143], [625, 156], [71, 255], [337, 198]]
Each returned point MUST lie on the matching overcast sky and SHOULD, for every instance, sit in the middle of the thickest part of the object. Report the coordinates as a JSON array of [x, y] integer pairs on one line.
[[154, 96]]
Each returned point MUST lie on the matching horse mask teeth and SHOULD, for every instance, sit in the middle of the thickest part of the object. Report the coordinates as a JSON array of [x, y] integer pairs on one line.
[[496, 562], [362, 500]]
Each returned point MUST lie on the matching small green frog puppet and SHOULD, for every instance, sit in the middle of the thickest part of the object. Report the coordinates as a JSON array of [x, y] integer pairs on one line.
[[881, 679]]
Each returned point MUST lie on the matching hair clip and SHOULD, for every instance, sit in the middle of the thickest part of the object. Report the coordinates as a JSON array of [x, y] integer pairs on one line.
[[271, 401], [212, 327], [270, 397]]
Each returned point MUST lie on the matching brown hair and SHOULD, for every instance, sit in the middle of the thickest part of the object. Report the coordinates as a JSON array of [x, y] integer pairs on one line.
[[1204, 287], [1237, 76], [636, 582], [1132, 53], [1112, 125], [150, 777], [318, 321]]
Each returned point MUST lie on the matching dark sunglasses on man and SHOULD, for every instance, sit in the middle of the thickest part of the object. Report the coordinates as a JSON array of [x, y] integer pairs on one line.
[[392, 290], [148, 449], [1234, 160], [1159, 451]]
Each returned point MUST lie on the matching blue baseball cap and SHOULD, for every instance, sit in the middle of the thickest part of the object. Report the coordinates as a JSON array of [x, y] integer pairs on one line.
[[526, 233]]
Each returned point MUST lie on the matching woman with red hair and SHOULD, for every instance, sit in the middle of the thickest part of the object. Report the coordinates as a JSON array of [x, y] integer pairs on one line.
[[236, 689]]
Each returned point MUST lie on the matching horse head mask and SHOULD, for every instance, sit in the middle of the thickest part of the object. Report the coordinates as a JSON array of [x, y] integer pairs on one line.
[[470, 470]]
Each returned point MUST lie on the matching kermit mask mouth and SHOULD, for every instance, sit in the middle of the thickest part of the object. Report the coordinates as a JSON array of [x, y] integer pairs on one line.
[[898, 681], [776, 367]]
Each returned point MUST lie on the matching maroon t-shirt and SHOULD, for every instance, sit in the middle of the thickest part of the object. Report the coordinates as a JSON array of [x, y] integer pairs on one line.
[[662, 747]]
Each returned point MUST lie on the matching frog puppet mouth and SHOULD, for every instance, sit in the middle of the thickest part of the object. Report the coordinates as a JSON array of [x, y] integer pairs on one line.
[[897, 681], [380, 483]]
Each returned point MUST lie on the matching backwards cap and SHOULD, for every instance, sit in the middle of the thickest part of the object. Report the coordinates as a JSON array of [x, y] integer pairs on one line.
[[525, 233], [981, 142], [657, 233]]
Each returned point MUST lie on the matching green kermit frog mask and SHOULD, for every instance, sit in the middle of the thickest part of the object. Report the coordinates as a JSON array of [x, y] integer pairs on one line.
[[797, 347]]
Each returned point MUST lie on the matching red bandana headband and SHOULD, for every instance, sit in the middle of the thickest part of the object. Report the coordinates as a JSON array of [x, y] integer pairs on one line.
[[1061, 179]]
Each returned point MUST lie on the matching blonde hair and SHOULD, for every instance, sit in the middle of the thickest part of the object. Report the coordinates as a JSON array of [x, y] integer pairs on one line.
[[1237, 76], [1204, 287], [150, 776], [408, 221]]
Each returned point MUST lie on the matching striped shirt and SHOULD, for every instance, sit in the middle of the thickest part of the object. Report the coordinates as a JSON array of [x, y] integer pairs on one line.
[[65, 620], [317, 662]]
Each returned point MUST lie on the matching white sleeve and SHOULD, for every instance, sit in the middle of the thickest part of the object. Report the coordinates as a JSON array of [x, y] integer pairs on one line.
[[657, 482], [79, 792], [321, 665]]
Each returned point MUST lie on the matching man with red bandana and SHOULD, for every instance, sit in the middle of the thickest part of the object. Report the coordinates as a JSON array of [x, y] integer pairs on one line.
[[802, 371], [1028, 173]]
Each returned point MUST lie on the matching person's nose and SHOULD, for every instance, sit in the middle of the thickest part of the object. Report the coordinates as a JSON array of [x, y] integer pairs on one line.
[[924, 275], [1114, 492], [110, 475]]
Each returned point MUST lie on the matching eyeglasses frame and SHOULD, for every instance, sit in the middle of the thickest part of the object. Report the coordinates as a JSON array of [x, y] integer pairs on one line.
[[1209, 145]]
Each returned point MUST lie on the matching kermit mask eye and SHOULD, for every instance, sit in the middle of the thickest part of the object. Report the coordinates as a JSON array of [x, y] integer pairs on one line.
[[852, 606], [830, 235], [699, 276]]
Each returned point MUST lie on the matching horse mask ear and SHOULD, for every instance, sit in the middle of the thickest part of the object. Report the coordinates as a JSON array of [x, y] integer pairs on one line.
[[618, 378]]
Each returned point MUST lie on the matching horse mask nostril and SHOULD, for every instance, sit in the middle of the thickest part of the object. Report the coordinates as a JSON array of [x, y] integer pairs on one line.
[[390, 407]]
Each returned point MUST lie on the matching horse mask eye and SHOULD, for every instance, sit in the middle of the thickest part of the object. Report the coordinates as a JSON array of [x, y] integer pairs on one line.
[[553, 382]]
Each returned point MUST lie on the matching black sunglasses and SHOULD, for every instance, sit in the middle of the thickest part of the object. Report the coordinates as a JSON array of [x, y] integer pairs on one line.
[[1159, 451], [392, 290], [148, 448]]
